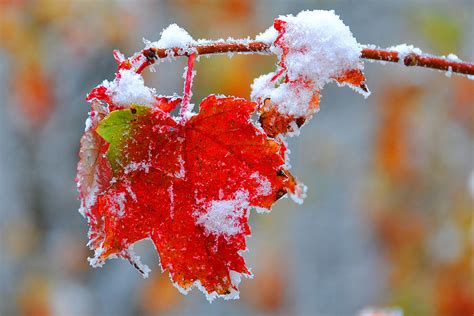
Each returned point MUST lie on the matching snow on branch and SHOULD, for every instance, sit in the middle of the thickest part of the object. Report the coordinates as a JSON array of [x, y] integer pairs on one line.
[[372, 53]]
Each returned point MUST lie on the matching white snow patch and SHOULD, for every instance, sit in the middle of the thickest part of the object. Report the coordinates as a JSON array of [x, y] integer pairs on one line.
[[222, 216], [129, 88], [322, 46], [173, 37]]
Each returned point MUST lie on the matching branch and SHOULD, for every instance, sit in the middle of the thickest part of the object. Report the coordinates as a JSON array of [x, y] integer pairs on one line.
[[411, 59], [421, 60]]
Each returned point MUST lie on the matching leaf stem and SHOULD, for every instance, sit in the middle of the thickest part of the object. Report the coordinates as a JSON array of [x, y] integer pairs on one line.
[[187, 88], [255, 47]]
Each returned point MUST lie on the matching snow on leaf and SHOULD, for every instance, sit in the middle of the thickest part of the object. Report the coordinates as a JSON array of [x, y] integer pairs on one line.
[[187, 186], [314, 48], [127, 88], [275, 123]]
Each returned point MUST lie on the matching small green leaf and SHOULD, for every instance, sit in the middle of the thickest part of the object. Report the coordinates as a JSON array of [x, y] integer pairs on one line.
[[116, 129]]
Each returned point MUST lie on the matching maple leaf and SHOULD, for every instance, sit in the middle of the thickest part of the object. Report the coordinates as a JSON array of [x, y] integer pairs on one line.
[[186, 185]]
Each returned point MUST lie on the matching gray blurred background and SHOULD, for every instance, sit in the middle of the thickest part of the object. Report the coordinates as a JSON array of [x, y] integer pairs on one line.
[[388, 221]]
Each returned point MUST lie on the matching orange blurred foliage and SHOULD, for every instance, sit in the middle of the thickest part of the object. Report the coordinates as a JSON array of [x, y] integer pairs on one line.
[[392, 148], [158, 296], [32, 92]]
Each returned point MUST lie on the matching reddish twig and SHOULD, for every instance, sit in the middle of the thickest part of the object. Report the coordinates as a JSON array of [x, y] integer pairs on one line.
[[411, 59], [422, 60]]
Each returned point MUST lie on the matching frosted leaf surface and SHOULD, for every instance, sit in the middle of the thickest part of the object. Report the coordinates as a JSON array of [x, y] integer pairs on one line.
[[186, 186]]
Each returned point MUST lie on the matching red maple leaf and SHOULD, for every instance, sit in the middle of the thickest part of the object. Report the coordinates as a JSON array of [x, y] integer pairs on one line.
[[186, 185]]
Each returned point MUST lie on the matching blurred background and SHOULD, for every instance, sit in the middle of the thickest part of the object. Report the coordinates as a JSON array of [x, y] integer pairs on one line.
[[388, 221]]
